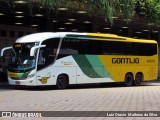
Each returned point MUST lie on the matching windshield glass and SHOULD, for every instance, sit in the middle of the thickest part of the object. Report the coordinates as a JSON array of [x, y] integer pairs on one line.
[[20, 59]]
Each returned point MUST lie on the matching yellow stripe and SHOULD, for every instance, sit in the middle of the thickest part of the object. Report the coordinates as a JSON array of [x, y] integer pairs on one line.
[[12, 74], [120, 37]]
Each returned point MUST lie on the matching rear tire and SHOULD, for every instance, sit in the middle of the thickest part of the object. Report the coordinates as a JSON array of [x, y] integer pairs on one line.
[[62, 82], [138, 79], [128, 80]]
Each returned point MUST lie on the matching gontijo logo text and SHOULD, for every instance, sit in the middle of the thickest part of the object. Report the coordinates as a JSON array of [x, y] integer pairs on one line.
[[125, 60]]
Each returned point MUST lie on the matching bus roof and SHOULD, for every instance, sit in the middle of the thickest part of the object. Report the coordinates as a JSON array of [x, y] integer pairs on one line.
[[39, 37], [117, 38], [36, 37]]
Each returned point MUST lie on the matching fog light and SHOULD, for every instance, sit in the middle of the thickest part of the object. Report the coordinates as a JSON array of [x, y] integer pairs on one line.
[[30, 76]]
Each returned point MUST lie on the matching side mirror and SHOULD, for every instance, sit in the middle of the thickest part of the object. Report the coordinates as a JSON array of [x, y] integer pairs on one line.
[[32, 51], [4, 49]]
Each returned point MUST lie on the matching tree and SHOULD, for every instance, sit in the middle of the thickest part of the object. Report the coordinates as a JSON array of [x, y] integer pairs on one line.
[[148, 10]]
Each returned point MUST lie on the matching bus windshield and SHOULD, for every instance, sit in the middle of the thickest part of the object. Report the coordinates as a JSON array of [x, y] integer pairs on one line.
[[20, 59]]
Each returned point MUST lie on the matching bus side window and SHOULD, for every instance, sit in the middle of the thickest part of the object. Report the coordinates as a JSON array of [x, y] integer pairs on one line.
[[50, 56]]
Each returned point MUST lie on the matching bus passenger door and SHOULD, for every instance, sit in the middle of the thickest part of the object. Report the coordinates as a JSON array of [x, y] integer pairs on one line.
[[42, 77], [42, 69]]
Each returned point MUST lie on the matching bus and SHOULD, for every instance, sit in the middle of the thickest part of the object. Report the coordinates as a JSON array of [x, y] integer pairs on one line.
[[65, 58]]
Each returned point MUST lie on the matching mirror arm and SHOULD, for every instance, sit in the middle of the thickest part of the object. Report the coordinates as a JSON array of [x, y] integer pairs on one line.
[[6, 48], [32, 51]]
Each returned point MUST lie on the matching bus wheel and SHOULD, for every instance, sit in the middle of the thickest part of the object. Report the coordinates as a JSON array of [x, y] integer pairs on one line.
[[62, 82], [128, 80], [138, 79]]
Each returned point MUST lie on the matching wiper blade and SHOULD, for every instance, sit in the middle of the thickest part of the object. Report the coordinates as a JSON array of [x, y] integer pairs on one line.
[[14, 51], [20, 61]]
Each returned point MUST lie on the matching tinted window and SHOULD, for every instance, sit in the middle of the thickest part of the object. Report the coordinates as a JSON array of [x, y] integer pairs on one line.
[[125, 48], [48, 53], [72, 46], [76, 46]]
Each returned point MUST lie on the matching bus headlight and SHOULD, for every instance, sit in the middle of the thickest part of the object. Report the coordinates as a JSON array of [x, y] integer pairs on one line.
[[30, 76]]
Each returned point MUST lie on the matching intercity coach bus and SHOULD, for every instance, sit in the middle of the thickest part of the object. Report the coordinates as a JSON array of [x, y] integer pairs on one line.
[[66, 58]]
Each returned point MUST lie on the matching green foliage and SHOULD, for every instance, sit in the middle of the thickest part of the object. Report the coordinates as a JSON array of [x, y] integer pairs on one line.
[[148, 10]]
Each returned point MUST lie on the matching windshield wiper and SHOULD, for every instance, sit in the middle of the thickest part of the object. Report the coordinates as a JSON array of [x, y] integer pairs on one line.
[[20, 61], [14, 51]]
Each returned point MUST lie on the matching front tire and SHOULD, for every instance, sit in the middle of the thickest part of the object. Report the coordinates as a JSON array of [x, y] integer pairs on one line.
[[62, 82], [128, 80]]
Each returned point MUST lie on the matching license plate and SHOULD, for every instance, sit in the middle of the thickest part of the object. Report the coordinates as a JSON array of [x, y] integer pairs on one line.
[[17, 83]]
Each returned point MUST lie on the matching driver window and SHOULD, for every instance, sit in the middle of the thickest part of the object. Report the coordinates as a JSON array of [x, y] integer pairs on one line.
[[41, 58], [47, 54]]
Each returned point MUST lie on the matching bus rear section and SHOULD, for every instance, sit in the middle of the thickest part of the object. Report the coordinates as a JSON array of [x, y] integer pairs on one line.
[[132, 61]]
